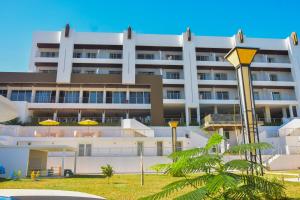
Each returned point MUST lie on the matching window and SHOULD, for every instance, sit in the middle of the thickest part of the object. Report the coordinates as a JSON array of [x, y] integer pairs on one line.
[[145, 56], [160, 150], [271, 60], [139, 97], [21, 95], [223, 95], [45, 96], [85, 150], [49, 54], [92, 97], [204, 76], [69, 97], [90, 71], [256, 95], [76, 55], [76, 71], [220, 76], [273, 77], [114, 72], [174, 57], [205, 94], [202, 58], [91, 55], [254, 77], [146, 73], [173, 94], [172, 75], [220, 58], [140, 148], [115, 56], [227, 135], [276, 95], [3, 93], [115, 97]]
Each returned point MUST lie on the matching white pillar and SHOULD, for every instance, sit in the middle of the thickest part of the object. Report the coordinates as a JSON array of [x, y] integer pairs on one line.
[[103, 117], [8, 92], [198, 115], [79, 116], [127, 114], [104, 95], [267, 114], [291, 111], [187, 116], [287, 150], [127, 94], [55, 115], [57, 95], [33, 95], [284, 114], [128, 66], [222, 145], [215, 109], [80, 95]]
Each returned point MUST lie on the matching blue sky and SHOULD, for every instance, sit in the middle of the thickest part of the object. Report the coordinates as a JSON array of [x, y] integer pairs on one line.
[[20, 18]]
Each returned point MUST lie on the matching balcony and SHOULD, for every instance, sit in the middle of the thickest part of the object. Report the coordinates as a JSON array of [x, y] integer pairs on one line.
[[215, 121], [213, 59], [159, 57]]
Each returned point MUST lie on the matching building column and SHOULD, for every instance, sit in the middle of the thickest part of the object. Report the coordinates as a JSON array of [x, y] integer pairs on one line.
[[79, 116], [198, 115], [222, 145], [215, 109], [57, 95], [267, 114], [127, 94], [63, 163], [103, 117], [291, 111], [33, 95], [55, 115], [8, 92], [284, 113], [80, 95], [104, 95], [187, 116], [127, 114]]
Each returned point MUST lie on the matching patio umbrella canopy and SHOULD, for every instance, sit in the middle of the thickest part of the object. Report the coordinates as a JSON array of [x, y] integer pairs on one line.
[[88, 122], [49, 122]]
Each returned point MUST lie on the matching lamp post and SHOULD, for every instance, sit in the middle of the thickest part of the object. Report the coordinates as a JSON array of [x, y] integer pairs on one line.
[[173, 125], [241, 58]]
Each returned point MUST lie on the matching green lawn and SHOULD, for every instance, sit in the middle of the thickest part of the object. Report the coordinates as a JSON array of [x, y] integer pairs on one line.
[[121, 186]]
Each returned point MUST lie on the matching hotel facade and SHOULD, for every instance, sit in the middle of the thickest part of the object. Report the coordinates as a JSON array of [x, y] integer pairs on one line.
[[134, 84]]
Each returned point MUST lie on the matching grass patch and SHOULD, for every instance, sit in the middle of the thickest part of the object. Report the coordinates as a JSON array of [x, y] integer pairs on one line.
[[123, 187]]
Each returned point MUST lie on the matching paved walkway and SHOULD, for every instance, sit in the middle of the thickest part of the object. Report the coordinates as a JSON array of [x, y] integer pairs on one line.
[[26, 194]]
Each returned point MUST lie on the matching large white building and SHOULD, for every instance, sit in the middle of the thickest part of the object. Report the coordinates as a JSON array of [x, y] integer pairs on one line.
[[148, 80]]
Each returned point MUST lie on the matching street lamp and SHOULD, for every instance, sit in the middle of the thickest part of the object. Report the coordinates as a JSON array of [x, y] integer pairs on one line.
[[241, 58], [173, 125]]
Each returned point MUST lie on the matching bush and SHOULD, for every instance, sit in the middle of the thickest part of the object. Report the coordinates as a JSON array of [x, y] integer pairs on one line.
[[107, 171]]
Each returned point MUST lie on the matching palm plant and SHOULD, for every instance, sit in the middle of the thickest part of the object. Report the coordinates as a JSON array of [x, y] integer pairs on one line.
[[215, 179], [107, 171]]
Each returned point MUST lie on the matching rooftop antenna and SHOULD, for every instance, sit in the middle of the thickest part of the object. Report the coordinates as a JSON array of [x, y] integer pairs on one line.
[[241, 35], [67, 30], [129, 32], [189, 34]]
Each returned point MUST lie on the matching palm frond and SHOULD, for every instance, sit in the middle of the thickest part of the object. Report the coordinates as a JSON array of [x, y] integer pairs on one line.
[[200, 193], [242, 148], [214, 140]]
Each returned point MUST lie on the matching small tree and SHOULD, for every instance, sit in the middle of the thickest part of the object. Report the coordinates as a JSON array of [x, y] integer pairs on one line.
[[107, 171], [218, 179]]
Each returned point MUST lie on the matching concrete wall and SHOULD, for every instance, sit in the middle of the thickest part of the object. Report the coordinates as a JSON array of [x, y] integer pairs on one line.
[[91, 165], [286, 162], [14, 158]]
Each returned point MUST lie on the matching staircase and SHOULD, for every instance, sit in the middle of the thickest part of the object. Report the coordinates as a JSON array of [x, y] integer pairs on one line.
[[137, 127], [290, 128]]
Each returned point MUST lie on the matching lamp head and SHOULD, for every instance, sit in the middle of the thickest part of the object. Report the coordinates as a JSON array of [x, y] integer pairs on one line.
[[173, 124], [241, 56]]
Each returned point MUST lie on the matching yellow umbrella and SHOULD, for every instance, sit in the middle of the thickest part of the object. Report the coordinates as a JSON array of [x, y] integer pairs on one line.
[[88, 123], [49, 122]]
